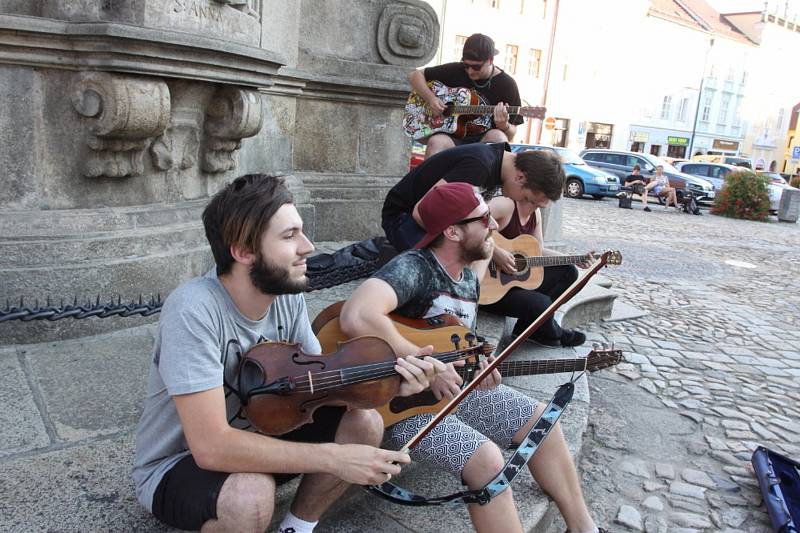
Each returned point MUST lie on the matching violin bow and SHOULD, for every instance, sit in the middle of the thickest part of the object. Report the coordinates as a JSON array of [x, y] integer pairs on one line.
[[571, 291]]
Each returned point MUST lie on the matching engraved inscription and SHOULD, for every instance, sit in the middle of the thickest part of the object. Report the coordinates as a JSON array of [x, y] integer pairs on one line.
[[198, 8]]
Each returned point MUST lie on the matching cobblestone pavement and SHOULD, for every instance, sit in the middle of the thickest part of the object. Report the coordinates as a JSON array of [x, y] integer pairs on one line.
[[712, 371]]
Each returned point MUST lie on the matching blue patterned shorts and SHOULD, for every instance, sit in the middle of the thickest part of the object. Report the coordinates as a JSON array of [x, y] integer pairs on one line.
[[495, 414]]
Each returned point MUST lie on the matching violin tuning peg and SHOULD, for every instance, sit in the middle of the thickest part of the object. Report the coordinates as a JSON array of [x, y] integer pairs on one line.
[[470, 338], [595, 346], [456, 340]]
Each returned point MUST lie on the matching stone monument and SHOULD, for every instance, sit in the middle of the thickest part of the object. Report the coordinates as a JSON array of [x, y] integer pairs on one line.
[[120, 118]]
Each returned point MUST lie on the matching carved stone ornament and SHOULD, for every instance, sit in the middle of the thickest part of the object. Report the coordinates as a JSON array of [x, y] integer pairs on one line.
[[250, 7], [125, 114], [233, 114], [407, 34]]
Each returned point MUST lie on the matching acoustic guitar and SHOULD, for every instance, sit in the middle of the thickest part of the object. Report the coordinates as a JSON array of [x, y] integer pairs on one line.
[[529, 264], [466, 113], [445, 332]]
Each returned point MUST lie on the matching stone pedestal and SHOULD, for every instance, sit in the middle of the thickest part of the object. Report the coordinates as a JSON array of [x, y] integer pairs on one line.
[[120, 119]]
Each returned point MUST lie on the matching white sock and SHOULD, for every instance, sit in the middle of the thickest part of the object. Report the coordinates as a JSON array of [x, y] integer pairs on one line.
[[292, 524], [595, 530]]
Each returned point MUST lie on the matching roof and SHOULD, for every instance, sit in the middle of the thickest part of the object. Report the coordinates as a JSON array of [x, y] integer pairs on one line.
[[698, 15]]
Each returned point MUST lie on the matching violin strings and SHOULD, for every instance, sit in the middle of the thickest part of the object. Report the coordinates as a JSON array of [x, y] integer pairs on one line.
[[332, 378]]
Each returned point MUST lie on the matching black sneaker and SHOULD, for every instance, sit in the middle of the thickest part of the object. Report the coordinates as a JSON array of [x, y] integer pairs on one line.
[[572, 337], [646, 209]]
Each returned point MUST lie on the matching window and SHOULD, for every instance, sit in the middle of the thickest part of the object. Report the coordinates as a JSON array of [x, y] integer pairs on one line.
[[723, 109], [694, 170], [459, 46], [637, 147], [655, 149], [780, 119], [744, 77], [707, 107], [511, 58], [737, 117], [615, 159], [534, 62], [666, 107], [730, 74], [683, 108], [591, 156]]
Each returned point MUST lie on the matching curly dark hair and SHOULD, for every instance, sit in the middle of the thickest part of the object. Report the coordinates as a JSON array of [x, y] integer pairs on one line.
[[543, 172], [240, 214]]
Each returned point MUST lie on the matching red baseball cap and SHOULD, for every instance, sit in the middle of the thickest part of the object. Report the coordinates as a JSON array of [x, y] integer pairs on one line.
[[443, 206]]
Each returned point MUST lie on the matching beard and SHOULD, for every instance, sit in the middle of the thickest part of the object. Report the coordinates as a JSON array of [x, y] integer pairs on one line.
[[273, 279], [475, 251]]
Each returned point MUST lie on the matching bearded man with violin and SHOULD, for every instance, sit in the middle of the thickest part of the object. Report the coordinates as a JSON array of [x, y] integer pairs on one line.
[[199, 464], [436, 278]]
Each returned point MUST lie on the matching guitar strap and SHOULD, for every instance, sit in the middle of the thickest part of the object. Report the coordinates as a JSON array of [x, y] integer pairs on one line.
[[524, 452]]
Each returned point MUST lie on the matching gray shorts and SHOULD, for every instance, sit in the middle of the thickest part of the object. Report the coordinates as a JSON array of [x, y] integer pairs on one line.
[[498, 413]]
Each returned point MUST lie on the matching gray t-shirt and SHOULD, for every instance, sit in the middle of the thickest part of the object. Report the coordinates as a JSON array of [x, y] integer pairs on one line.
[[424, 289], [201, 338]]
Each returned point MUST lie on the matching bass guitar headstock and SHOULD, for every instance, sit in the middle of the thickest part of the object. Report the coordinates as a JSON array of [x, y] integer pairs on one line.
[[600, 358]]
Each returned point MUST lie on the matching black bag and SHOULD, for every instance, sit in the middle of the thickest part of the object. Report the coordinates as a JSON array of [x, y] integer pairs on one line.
[[690, 205], [358, 260], [625, 200]]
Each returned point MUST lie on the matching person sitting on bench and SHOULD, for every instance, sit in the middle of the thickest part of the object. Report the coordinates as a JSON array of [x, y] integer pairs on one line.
[[660, 186], [636, 184]]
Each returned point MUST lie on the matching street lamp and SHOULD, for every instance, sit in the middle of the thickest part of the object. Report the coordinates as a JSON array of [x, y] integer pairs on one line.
[[699, 97]]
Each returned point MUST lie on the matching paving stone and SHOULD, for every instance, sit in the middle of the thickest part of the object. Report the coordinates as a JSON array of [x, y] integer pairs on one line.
[[648, 385], [653, 503], [691, 520], [735, 424], [652, 486], [636, 358], [685, 489], [655, 524], [682, 503], [637, 467], [629, 517], [698, 477], [659, 360], [664, 470], [734, 517], [691, 404]]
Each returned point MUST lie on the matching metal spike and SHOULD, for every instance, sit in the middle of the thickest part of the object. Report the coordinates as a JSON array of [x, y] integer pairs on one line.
[[97, 302], [75, 301], [21, 301], [140, 298], [48, 301]]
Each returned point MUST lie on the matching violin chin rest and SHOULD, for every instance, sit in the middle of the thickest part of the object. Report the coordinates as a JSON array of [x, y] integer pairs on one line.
[[251, 376]]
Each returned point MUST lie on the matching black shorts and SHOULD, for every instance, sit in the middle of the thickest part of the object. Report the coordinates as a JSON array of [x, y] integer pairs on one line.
[[187, 495]]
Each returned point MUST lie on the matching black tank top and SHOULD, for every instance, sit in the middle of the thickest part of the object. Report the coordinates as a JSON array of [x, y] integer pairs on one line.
[[515, 229]]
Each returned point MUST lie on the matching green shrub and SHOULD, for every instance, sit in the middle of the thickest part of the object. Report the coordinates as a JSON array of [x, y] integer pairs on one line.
[[795, 181], [745, 195]]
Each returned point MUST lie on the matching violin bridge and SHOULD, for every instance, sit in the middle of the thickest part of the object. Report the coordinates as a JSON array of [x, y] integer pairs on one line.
[[310, 382]]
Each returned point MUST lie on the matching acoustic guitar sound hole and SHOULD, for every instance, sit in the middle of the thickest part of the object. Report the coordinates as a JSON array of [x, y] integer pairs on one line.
[[520, 263]]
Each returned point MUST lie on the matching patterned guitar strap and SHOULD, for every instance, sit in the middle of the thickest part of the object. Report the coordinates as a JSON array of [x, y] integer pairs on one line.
[[503, 480]]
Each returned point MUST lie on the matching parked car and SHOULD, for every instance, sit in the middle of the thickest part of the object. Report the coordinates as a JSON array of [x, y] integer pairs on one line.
[[672, 160], [735, 160], [716, 172], [581, 178], [777, 185], [621, 163]]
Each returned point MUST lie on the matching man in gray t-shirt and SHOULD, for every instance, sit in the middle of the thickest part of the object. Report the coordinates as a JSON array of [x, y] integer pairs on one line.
[[198, 461]]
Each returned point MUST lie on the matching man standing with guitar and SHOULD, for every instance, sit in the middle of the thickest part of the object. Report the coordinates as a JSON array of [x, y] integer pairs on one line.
[[436, 278], [476, 71], [199, 464]]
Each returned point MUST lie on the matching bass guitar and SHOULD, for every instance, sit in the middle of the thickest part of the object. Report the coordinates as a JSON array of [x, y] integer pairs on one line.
[[446, 332], [466, 113], [529, 264]]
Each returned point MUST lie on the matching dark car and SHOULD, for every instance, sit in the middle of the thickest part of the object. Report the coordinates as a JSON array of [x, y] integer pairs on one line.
[[581, 178], [621, 163]]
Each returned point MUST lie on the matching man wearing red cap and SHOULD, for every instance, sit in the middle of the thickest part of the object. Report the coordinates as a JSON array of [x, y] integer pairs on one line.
[[436, 278], [476, 71]]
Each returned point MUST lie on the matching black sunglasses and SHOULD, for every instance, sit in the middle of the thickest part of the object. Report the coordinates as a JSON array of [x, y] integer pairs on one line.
[[483, 218], [468, 66]]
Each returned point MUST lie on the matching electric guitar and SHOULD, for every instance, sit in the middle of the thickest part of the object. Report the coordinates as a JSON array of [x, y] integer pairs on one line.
[[445, 332], [529, 264], [466, 113]]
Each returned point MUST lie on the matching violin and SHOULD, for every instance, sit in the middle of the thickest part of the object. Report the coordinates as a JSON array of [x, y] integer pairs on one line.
[[280, 386]]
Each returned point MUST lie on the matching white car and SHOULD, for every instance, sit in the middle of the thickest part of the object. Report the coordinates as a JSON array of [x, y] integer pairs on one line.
[[716, 172]]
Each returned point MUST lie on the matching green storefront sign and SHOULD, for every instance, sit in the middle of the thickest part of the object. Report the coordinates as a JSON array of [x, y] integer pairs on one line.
[[678, 141]]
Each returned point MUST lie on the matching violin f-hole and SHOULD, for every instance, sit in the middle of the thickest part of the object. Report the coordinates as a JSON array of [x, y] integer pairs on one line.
[[298, 360]]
